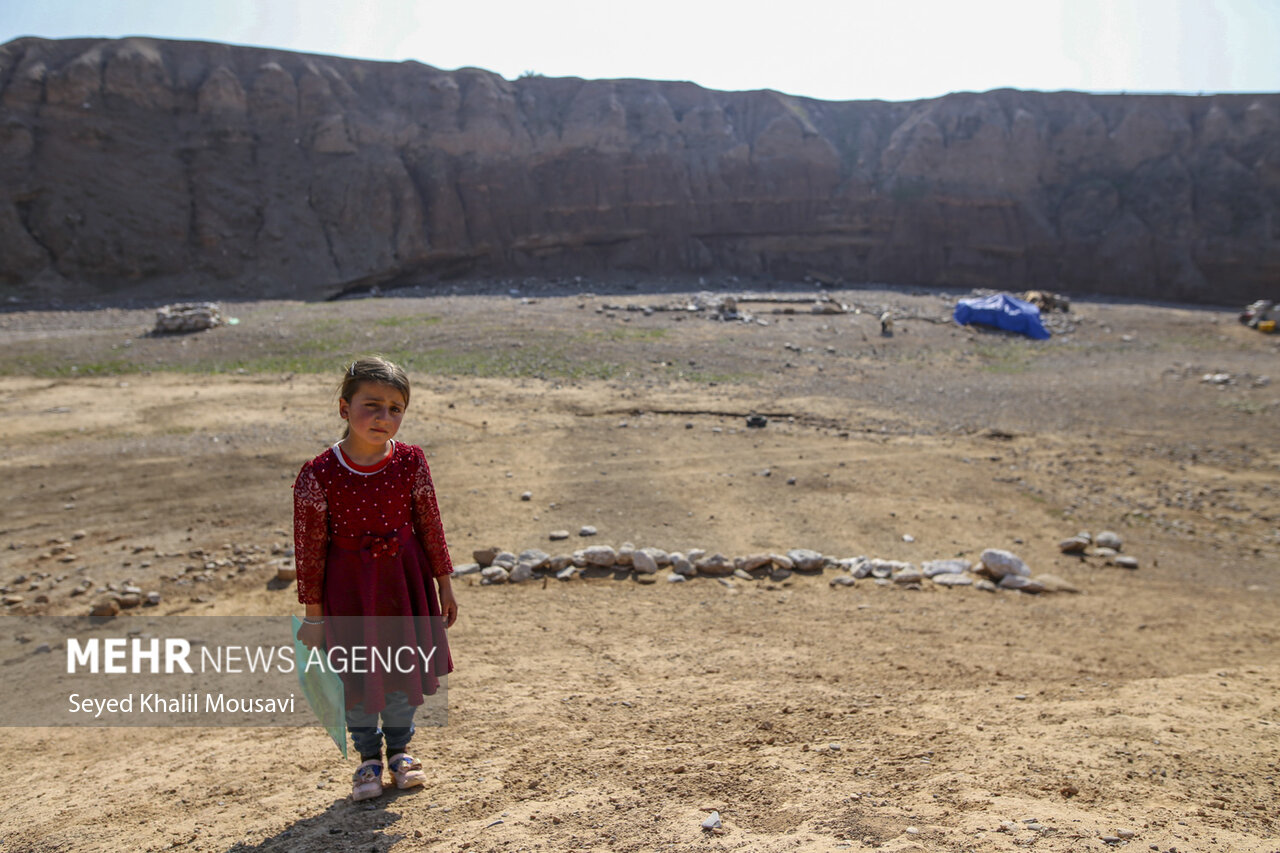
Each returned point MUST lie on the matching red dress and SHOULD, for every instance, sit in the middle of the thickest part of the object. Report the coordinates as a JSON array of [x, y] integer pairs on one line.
[[368, 542]]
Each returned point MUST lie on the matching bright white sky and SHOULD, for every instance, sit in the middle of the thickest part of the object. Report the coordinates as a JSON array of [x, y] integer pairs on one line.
[[832, 49]]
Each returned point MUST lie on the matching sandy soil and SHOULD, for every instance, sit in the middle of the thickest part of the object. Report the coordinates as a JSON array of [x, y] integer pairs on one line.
[[606, 714]]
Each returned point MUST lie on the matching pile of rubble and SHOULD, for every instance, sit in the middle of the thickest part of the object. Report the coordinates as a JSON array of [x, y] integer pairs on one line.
[[188, 317], [996, 569], [722, 306]]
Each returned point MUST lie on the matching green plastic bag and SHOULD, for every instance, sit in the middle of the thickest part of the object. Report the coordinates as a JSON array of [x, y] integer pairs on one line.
[[324, 692]]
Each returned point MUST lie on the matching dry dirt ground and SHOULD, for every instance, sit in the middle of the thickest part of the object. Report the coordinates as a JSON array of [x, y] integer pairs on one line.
[[606, 714]]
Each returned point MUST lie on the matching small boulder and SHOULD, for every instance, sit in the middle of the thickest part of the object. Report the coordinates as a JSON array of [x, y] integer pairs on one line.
[[715, 565], [104, 610], [1074, 545], [805, 560], [999, 563], [752, 562], [1126, 562], [600, 555], [642, 563], [1110, 539], [933, 568], [557, 535], [587, 530], [495, 574], [1021, 583]]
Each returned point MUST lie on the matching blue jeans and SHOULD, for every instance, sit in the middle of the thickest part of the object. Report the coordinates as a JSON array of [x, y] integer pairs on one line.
[[397, 724]]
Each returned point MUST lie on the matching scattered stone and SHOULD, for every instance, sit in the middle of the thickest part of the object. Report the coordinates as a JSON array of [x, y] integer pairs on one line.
[[933, 568], [557, 535], [986, 586], [1074, 545], [757, 421], [526, 496], [485, 556], [805, 560], [695, 554], [466, 569], [104, 610], [908, 538], [560, 561], [676, 577], [130, 600], [1126, 562], [625, 554], [79, 534], [506, 560], [952, 580], [1110, 539], [601, 555], [840, 580], [520, 573], [999, 563], [587, 530], [743, 575], [643, 563], [1105, 553], [43, 649], [566, 573], [10, 600], [643, 578], [152, 599], [494, 574], [885, 568], [712, 821], [781, 562]]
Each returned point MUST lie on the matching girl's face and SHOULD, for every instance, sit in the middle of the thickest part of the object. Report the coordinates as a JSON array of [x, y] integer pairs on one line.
[[373, 414]]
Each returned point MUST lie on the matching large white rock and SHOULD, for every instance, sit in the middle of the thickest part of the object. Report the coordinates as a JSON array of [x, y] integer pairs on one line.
[[642, 563], [1000, 563], [600, 555]]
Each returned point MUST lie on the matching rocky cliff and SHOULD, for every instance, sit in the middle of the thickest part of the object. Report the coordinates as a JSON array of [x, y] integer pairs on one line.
[[182, 168]]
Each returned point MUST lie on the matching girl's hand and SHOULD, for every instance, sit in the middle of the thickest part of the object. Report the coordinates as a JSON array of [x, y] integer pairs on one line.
[[312, 636], [448, 605]]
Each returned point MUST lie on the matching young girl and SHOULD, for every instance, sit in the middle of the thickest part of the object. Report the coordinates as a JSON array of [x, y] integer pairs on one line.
[[368, 544]]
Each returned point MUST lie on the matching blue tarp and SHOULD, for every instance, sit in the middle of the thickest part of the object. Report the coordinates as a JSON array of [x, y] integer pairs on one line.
[[1004, 312]]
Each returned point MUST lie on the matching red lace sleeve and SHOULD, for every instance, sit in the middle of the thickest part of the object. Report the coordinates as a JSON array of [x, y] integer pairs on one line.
[[310, 535], [426, 519]]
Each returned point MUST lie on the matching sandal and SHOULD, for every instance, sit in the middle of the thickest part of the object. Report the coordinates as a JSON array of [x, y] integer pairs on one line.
[[407, 770], [367, 781]]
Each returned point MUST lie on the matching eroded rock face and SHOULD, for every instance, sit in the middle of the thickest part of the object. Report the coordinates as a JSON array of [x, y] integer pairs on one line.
[[211, 170]]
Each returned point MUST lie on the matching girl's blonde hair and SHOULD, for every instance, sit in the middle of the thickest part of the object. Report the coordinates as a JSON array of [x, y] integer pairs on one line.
[[372, 368]]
